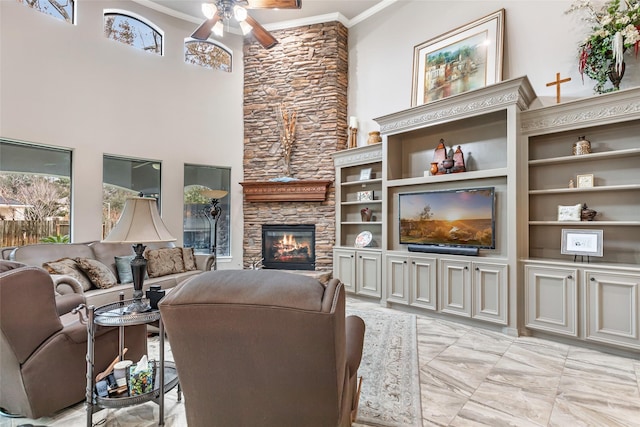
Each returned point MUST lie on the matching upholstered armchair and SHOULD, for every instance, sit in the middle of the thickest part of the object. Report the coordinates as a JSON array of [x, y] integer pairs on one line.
[[264, 348], [43, 346]]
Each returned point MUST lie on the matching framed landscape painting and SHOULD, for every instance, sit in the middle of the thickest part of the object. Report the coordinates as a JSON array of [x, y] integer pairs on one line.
[[467, 58]]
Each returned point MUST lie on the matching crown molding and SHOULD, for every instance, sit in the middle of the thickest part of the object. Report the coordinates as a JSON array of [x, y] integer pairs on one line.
[[310, 20]]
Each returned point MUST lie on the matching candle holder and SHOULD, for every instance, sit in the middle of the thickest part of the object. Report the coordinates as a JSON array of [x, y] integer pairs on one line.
[[353, 137]]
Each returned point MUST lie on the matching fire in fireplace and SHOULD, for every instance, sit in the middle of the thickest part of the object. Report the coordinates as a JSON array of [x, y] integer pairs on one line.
[[289, 247]]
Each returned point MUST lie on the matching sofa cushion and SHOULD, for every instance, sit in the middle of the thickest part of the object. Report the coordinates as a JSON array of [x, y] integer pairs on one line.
[[189, 259], [123, 265], [69, 267], [98, 273], [161, 262]]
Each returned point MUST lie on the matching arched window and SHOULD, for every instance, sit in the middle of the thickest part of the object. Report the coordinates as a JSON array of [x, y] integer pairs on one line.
[[64, 10], [208, 54], [134, 30]]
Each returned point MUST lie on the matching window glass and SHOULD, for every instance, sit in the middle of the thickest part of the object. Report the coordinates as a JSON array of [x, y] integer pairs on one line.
[[207, 54], [64, 10], [122, 178], [133, 30], [197, 221], [35, 194]]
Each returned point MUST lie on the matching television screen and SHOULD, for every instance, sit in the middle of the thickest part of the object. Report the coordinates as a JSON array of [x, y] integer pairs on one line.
[[462, 218]]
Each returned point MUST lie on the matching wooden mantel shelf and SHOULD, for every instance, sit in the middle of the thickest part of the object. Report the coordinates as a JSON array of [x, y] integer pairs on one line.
[[292, 191]]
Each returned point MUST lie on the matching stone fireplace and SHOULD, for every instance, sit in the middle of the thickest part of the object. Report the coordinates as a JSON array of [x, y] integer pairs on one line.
[[289, 247], [307, 72]]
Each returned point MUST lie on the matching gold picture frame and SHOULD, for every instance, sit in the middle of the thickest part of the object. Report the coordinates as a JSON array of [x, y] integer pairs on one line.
[[439, 70]]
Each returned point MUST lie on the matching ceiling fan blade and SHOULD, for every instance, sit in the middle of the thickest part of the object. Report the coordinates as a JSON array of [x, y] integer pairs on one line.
[[204, 30], [263, 36], [274, 4]]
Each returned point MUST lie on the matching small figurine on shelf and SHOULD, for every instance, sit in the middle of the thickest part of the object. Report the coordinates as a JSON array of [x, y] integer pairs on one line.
[[587, 214], [365, 213], [458, 161], [571, 184], [439, 155]]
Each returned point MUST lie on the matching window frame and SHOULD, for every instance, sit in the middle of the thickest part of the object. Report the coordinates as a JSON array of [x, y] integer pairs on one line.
[[136, 17]]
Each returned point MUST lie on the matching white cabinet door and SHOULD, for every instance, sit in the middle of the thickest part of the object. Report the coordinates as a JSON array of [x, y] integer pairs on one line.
[[397, 270], [344, 268], [422, 284], [455, 287], [551, 299], [490, 292], [612, 304], [368, 273]]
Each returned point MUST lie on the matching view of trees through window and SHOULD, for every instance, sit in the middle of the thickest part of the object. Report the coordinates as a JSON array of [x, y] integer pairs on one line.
[[35, 189], [64, 10], [127, 29], [207, 54]]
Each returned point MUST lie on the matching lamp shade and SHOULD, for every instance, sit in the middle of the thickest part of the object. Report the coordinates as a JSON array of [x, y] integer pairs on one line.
[[214, 194], [140, 222]]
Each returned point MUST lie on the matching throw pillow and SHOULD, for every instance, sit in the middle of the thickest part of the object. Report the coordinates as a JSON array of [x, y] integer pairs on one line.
[[189, 259], [69, 267], [123, 266], [164, 261], [98, 273]]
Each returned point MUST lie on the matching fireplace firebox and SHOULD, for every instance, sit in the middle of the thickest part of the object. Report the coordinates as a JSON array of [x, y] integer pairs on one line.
[[289, 247]]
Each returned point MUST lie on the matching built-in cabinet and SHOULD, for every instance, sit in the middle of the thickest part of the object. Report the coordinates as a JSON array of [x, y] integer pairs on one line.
[[359, 211], [526, 283], [593, 298], [484, 125]]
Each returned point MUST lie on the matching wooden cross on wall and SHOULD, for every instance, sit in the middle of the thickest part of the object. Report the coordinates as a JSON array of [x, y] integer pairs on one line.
[[557, 83]]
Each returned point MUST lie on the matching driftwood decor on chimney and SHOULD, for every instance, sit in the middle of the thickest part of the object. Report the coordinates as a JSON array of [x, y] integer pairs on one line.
[[287, 123]]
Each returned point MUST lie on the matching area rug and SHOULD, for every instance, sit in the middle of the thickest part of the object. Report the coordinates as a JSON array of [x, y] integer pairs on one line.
[[390, 393]]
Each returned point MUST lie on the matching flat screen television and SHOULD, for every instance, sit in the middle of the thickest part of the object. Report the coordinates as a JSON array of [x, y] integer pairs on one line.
[[458, 218]]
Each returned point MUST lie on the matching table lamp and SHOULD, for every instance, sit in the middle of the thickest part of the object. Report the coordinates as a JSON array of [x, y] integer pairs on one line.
[[212, 212], [139, 222]]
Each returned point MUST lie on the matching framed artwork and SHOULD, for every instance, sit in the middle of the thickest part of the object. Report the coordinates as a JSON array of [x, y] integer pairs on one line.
[[585, 181], [581, 242], [365, 174], [467, 58], [569, 213]]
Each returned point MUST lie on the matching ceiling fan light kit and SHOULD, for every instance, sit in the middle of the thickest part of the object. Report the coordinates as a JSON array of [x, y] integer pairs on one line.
[[222, 11]]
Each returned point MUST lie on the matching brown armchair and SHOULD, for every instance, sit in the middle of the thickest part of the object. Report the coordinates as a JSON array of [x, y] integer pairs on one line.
[[43, 347], [264, 348]]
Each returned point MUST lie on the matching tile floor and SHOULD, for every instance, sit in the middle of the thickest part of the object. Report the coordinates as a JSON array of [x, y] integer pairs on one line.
[[474, 377]]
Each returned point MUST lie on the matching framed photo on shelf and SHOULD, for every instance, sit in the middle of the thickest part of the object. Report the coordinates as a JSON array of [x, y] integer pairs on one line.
[[365, 174], [569, 213], [584, 181], [364, 196], [581, 242], [467, 58]]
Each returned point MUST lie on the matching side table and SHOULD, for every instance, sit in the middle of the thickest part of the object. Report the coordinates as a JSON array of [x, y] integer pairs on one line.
[[165, 373]]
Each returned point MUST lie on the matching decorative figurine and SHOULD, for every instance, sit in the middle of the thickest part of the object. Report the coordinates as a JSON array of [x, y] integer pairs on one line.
[[587, 214], [458, 161], [439, 155], [571, 184]]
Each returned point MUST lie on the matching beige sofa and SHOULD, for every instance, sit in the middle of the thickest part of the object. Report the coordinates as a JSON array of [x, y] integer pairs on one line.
[[105, 253]]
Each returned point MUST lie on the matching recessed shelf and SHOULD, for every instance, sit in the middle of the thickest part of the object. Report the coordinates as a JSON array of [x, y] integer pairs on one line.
[[587, 189], [463, 176], [361, 202], [586, 157], [362, 182], [361, 222], [587, 223]]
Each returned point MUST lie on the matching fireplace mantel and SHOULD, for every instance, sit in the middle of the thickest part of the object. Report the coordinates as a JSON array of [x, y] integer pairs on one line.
[[292, 191]]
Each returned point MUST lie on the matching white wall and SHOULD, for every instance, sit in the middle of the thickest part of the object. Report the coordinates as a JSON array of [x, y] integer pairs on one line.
[[69, 86], [540, 40]]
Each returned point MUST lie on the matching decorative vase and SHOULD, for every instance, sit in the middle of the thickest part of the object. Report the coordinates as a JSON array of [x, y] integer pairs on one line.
[[581, 146], [587, 214], [365, 214], [434, 168], [616, 76], [447, 164], [374, 138]]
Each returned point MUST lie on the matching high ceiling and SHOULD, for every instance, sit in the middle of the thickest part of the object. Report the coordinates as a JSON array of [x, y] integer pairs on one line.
[[310, 8]]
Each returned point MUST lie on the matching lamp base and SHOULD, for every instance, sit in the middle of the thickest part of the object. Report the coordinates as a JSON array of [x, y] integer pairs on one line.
[[137, 306]]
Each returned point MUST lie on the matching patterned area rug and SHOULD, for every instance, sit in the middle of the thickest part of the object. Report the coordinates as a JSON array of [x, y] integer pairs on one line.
[[390, 393]]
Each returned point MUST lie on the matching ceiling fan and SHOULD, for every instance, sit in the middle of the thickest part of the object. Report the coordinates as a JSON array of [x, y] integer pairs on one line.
[[220, 11]]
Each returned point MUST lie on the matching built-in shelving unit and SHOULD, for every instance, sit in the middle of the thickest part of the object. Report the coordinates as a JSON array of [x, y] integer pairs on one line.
[[590, 298], [484, 123], [359, 268]]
